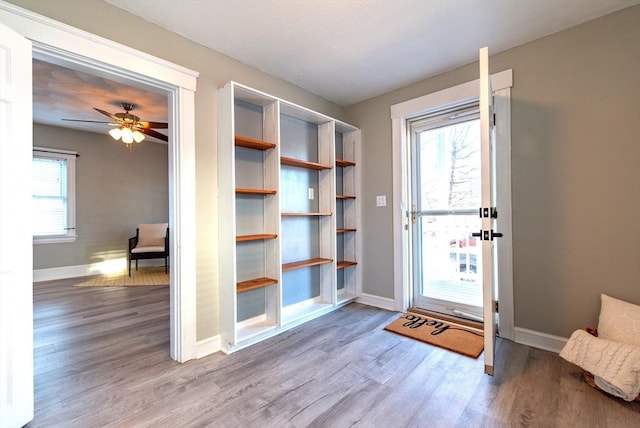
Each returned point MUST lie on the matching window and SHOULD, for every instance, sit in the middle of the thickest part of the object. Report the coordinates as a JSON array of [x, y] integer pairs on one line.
[[53, 182]]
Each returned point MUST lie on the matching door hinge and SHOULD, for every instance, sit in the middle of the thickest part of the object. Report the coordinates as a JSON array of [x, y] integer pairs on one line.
[[495, 306]]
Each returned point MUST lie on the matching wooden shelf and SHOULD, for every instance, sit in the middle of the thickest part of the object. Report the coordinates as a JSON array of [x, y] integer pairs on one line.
[[345, 230], [343, 264], [343, 163], [245, 238], [252, 284], [251, 143], [345, 197], [304, 263], [303, 164], [255, 191], [305, 214]]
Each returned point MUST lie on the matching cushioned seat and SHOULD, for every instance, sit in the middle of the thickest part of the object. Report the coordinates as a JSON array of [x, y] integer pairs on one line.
[[151, 242]]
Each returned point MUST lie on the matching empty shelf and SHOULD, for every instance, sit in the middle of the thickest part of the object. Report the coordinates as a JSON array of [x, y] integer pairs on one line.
[[345, 197], [251, 143], [305, 214], [345, 230], [252, 284], [343, 163], [244, 238], [303, 164], [255, 191], [304, 263], [343, 264]]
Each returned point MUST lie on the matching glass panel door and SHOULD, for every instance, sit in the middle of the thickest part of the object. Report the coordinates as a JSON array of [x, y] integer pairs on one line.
[[446, 190]]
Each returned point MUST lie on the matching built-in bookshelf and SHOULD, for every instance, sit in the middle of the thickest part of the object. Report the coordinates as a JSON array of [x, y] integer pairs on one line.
[[289, 214]]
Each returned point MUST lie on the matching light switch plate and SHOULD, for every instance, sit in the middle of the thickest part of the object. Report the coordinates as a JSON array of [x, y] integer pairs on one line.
[[311, 193], [381, 201]]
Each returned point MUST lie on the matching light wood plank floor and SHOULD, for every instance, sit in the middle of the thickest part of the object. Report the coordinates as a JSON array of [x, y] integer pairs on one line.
[[101, 359]]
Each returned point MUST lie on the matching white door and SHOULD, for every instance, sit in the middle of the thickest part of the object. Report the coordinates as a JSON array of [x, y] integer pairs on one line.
[[16, 251], [488, 212]]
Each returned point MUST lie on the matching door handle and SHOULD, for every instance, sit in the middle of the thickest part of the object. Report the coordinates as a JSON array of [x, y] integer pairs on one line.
[[487, 235]]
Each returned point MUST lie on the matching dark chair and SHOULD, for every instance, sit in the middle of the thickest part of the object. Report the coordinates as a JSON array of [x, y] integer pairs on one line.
[[151, 242]]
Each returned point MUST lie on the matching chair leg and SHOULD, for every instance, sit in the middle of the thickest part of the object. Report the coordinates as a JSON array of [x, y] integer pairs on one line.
[[129, 263], [136, 265], [166, 265]]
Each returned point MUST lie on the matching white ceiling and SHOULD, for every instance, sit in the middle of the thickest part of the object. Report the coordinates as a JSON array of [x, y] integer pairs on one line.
[[348, 51]]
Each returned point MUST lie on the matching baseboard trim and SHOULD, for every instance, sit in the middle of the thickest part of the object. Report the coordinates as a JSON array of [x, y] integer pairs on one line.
[[536, 339], [208, 346], [109, 266], [377, 301]]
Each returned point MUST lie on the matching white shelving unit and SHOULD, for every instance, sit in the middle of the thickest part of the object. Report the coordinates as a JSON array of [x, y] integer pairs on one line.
[[289, 215]]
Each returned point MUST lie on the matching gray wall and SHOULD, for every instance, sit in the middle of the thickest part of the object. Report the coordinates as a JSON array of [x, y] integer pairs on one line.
[[215, 70], [575, 171], [116, 189], [576, 153]]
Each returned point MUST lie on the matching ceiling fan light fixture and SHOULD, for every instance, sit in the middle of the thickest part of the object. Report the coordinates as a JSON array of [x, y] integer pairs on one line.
[[115, 133], [137, 136], [127, 136]]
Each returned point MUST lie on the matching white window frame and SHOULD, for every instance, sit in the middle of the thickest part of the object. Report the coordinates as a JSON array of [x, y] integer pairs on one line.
[[70, 157], [403, 112]]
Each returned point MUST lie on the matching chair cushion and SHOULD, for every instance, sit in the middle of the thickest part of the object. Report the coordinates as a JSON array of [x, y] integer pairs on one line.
[[619, 321], [152, 235], [151, 249]]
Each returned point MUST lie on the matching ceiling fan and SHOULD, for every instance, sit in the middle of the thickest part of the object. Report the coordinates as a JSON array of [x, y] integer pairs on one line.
[[129, 127]]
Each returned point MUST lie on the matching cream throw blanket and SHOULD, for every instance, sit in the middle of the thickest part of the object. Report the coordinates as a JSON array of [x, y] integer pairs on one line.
[[615, 366]]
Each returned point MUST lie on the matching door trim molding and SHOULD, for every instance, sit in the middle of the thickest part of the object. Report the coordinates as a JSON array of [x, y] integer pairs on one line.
[[400, 114], [64, 44]]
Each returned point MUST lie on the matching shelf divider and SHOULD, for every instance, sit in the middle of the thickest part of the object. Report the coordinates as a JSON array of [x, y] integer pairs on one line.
[[304, 263]]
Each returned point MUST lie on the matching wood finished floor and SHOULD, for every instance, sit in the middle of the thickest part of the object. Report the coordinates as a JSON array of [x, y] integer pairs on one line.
[[101, 359]]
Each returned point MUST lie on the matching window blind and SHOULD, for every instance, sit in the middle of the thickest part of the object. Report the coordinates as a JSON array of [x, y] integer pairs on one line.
[[49, 196]]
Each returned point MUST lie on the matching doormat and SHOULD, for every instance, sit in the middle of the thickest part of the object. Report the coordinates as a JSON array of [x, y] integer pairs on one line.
[[454, 337], [152, 275]]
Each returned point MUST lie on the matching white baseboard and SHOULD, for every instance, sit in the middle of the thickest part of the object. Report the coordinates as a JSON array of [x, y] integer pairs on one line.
[[108, 266], [377, 301], [536, 339], [208, 346]]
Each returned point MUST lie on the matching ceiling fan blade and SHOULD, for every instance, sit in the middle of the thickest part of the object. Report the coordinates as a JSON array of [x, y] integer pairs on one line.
[[80, 120], [109, 115], [155, 134], [153, 125]]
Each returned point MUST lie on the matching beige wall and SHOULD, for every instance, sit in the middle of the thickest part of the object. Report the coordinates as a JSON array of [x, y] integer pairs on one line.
[[116, 189], [575, 171], [215, 70]]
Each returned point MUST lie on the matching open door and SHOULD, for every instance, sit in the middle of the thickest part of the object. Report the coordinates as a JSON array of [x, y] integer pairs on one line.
[[16, 252], [488, 212]]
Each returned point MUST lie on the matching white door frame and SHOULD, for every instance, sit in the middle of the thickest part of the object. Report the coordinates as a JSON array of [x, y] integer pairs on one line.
[[401, 113], [60, 42]]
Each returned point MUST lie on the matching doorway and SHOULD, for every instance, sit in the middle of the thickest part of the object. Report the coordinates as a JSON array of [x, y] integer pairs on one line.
[[426, 106], [446, 193], [73, 48]]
